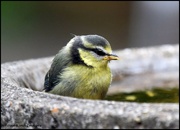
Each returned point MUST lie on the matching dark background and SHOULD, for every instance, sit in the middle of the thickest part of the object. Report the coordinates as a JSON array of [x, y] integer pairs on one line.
[[40, 29]]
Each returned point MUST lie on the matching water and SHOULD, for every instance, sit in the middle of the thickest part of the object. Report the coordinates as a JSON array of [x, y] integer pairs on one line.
[[156, 95]]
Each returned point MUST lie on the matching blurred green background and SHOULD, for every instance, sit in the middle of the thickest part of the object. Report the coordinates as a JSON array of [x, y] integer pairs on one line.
[[39, 29]]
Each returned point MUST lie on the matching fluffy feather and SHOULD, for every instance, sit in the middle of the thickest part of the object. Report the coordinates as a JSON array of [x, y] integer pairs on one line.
[[80, 69]]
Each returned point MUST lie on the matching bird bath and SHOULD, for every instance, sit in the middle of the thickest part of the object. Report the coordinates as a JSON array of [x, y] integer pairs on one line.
[[23, 105]]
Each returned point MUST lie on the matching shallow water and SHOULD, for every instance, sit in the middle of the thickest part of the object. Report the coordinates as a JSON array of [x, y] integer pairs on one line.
[[156, 95]]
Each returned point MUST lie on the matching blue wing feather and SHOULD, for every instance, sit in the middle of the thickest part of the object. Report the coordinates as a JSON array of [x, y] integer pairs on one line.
[[52, 78]]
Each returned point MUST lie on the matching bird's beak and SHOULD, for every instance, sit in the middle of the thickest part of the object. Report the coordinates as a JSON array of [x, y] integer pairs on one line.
[[111, 57]]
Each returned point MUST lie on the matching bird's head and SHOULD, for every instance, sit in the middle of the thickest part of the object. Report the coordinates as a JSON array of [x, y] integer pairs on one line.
[[91, 50]]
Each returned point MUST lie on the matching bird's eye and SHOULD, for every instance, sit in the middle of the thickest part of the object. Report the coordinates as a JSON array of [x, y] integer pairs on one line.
[[99, 52]]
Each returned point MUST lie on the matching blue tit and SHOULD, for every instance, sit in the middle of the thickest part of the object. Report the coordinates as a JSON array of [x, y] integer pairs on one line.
[[80, 69]]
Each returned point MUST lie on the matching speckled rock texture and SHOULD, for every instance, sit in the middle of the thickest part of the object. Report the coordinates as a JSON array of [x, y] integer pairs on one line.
[[24, 105]]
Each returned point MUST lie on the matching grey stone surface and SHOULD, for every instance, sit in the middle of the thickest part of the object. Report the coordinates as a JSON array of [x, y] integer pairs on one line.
[[22, 106], [145, 68]]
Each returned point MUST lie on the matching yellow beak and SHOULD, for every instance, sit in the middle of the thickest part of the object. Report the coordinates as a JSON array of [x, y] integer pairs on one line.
[[111, 57]]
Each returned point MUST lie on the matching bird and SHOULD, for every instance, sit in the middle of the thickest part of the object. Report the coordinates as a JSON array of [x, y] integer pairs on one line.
[[80, 69]]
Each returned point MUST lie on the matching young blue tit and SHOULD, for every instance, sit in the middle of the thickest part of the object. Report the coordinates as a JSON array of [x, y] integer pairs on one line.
[[80, 69]]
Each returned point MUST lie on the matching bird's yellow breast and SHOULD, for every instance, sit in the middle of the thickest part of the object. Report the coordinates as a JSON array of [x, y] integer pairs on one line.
[[91, 83]]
